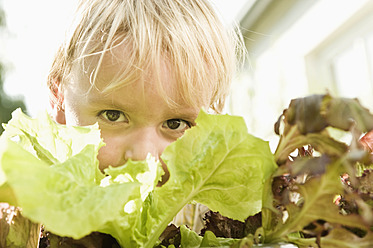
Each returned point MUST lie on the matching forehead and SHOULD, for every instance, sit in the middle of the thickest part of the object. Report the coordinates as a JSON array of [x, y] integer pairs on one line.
[[117, 67]]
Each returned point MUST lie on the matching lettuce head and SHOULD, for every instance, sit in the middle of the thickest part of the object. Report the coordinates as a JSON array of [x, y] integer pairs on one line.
[[51, 172]]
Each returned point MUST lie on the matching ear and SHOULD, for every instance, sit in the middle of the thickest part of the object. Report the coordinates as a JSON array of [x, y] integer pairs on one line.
[[58, 114], [56, 99]]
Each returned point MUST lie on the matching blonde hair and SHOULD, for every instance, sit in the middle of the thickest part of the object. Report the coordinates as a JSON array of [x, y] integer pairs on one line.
[[200, 51]]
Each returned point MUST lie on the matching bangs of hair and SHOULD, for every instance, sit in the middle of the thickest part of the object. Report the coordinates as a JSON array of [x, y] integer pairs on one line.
[[199, 52]]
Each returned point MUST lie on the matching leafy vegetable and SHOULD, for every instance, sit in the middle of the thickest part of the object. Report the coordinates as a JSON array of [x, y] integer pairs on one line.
[[321, 195], [22, 233], [305, 205], [51, 172], [191, 239]]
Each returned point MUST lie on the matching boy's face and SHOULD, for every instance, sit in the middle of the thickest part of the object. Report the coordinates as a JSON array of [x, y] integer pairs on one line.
[[133, 121]]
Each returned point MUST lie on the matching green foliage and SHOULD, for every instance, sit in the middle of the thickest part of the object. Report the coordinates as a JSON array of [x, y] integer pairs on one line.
[[320, 197], [51, 172], [2, 17], [7, 104], [317, 198], [22, 233]]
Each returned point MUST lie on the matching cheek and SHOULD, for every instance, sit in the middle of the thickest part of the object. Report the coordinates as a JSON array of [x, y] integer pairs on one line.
[[74, 116], [110, 155]]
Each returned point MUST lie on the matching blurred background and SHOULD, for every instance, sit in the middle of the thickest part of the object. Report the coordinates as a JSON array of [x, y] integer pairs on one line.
[[295, 48]]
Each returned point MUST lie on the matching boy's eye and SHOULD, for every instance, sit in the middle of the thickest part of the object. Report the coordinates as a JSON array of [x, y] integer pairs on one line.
[[176, 124], [113, 116]]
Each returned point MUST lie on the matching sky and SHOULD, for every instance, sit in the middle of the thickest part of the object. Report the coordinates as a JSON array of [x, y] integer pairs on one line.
[[32, 34]]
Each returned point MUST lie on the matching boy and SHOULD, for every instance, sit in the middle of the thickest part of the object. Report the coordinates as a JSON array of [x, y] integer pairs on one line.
[[142, 69]]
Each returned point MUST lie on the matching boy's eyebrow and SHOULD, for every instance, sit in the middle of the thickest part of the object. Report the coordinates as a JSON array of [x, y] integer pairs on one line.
[[101, 101]]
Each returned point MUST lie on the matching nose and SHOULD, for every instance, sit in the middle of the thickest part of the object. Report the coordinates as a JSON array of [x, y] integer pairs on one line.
[[143, 141]]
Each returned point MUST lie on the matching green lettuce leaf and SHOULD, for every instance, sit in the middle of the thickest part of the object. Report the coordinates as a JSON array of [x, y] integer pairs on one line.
[[217, 163], [47, 140], [65, 197], [51, 172], [190, 239], [220, 166], [63, 190]]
